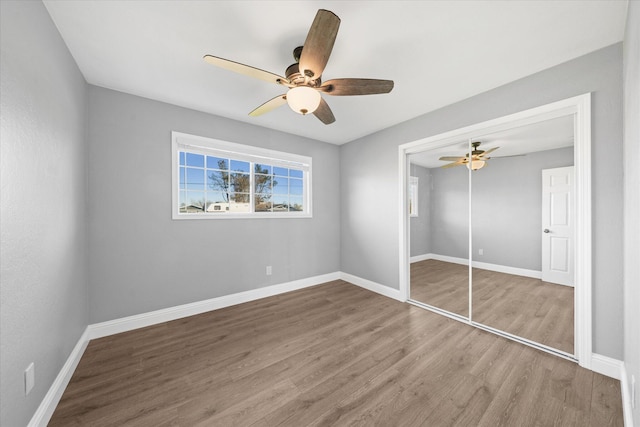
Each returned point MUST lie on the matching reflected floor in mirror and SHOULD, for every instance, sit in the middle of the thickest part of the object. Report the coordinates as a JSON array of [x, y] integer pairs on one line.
[[522, 306], [441, 284]]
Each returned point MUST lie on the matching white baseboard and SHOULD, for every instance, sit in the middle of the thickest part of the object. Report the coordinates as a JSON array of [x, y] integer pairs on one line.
[[116, 326], [48, 405], [627, 407], [372, 286], [482, 265], [419, 258], [616, 369], [606, 366]]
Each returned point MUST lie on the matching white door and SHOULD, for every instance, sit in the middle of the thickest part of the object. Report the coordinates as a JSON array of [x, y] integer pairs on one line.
[[557, 226]]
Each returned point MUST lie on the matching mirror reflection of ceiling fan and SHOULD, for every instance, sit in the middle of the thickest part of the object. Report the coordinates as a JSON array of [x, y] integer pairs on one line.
[[475, 160], [303, 77]]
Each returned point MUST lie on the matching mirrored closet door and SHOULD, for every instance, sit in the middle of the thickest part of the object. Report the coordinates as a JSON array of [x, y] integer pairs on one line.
[[490, 231], [439, 224], [525, 190]]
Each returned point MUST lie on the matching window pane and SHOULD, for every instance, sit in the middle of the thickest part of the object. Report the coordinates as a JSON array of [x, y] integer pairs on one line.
[[281, 185], [182, 158], [183, 201], [263, 204], [195, 202], [217, 180], [280, 171], [295, 173], [195, 179], [295, 186], [239, 166], [239, 202], [239, 197], [240, 182], [260, 198], [263, 183], [217, 163], [216, 202], [182, 177], [295, 204], [280, 203], [263, 169], [217, 197], [195, 160]]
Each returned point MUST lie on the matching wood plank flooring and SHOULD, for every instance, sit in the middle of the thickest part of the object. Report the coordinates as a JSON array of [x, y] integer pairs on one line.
[[330, 355], [441, 284], [526, 307]]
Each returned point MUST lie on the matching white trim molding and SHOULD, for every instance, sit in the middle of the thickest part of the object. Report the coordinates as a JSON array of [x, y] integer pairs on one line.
[[616, 369], [372, 286], [48, 405], [627, 405], [606, 366], [580, 108]]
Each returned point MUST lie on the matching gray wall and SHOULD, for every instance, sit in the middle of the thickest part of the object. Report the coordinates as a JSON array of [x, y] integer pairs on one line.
[[369, 173], [43, 267], [142, 260], [632, 198], [420, 226], [450, 212]]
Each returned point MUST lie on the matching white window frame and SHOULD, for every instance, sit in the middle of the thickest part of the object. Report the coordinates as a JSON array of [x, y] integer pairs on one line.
[[215, 147], [413, 196]]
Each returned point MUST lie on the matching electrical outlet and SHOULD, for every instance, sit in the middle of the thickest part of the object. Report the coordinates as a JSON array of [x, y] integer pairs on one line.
[[269, 270], [29, 378], [480, 251]]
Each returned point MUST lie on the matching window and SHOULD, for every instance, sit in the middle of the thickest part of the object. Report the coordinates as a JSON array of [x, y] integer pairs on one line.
[[413, 196], [219, 179]]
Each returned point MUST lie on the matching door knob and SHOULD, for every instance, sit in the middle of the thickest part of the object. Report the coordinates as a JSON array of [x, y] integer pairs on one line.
[[546, 230]]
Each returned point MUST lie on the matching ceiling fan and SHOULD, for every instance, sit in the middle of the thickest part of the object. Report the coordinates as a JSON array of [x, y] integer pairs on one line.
[[303, 77], [475, 160]]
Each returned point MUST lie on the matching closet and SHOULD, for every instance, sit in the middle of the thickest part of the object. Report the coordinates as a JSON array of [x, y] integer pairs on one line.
[[492, 226]]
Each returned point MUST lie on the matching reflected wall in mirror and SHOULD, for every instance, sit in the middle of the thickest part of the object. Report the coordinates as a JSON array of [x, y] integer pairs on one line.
[[440, 232], [510, 290]]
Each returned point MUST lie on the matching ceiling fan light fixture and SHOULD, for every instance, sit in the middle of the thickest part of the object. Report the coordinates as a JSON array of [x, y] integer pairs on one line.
[[474, 165], [303, 99]]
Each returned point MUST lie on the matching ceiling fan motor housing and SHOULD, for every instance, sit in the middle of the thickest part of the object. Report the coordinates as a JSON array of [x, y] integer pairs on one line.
[[293, 72]]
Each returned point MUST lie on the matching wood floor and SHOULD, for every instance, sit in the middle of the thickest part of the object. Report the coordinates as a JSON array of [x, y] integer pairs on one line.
[[526, 307], [330, 355]]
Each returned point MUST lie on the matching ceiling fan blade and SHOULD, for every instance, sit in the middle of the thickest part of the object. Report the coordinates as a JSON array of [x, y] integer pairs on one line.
[[244, 69], [450, 165], [319, 43], [270, 105], [343, 87], [324, 113], [490, 150], [451, 158]]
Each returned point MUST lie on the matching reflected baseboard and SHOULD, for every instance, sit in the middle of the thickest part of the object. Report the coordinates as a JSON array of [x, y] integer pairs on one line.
[[482, 265]]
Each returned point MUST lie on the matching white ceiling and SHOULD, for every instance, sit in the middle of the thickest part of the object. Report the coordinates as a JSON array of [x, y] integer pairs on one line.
[[546, 135], [437, 52]]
